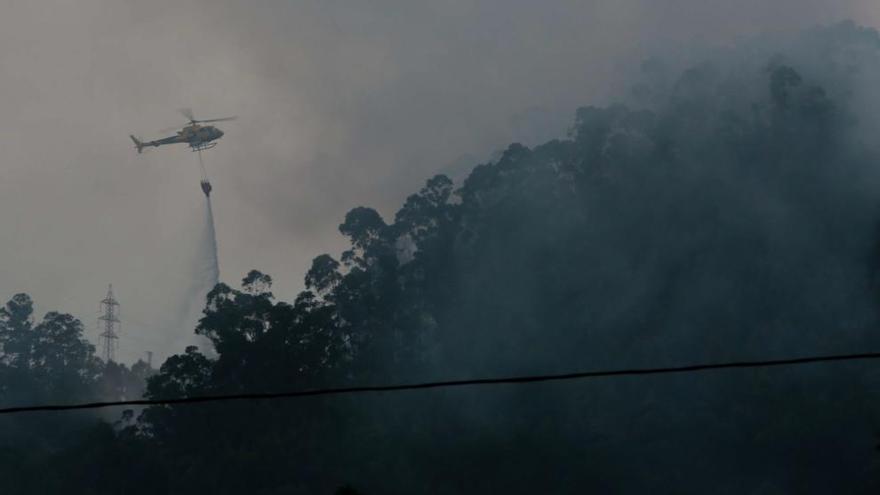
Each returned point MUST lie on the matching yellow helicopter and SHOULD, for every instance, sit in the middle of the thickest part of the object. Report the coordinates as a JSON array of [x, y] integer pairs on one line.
[[198, 137]]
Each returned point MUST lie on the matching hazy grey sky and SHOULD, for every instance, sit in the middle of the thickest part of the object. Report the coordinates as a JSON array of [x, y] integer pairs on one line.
[[341, 103]]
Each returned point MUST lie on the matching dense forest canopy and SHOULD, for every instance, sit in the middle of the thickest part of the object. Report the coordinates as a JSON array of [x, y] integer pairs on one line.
[[726, 211]]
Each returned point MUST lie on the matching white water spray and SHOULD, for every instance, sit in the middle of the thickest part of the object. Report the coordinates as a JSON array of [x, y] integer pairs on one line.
[[212, 274], [205, 274], [209, 245]]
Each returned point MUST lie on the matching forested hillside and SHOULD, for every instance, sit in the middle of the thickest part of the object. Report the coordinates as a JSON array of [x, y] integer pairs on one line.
[[726, 211]]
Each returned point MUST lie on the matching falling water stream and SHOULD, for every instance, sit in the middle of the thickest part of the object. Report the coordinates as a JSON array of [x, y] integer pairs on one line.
[[205, 274]]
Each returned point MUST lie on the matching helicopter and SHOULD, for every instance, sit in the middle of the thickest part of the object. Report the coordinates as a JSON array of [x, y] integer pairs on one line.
[[198, 137]]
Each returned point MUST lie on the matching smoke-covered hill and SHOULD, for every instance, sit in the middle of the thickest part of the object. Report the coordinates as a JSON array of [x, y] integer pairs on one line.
[[726, 211]]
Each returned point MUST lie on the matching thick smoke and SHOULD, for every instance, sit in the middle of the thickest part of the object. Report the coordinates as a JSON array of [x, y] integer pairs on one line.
[[728, 210]]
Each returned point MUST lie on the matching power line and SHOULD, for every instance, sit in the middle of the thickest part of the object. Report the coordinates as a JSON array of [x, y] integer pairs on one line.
[[446, 384]]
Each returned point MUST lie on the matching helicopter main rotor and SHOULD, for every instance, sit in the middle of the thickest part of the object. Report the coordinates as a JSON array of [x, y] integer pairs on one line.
[[186, 112]]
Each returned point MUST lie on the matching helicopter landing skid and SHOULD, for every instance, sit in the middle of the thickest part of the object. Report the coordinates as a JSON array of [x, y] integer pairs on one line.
[[202, 146]]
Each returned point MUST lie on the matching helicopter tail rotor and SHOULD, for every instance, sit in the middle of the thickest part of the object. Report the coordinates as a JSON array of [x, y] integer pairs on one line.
[[137, 143]]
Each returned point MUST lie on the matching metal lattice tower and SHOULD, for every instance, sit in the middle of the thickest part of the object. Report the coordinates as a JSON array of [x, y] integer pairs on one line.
[[109, 319]]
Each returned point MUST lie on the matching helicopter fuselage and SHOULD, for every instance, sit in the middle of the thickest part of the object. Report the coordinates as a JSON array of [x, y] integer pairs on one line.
[[196, 134], [198, 137]]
